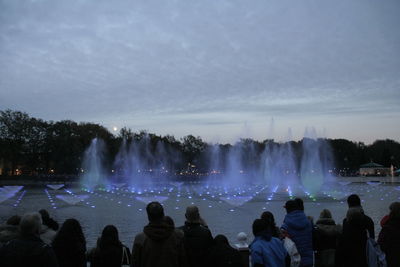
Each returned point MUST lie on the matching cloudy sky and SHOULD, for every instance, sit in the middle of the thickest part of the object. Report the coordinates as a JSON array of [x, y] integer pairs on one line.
[[218, 69]]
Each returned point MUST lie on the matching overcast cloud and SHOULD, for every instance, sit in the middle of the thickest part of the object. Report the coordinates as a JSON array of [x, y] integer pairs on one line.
[[218, 69]]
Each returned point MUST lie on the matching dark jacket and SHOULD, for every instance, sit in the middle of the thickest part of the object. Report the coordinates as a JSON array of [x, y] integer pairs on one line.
[[300, 230], [389, 240], [159, 245], [8, 233], [367, 222], [112, 256], [351, 250], [223, 255], [49, 222], [27, 251], [326, 238], [70, 254], [198, 242]]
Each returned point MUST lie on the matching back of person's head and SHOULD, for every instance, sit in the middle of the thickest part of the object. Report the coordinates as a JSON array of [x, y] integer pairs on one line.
[[14, 220], [300, 203], [259, 226], [44, 213], [354, 201], [290, 206], [192, 214], [325, 214], [30, 224], [354, 216], [394, 210], [268, 217], [169, 221], [70, 233], [221, 240], [155, 211], [109, 237]]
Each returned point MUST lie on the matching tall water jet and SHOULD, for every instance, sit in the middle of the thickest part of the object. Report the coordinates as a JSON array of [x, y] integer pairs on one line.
[[279, 168], [94, 174]]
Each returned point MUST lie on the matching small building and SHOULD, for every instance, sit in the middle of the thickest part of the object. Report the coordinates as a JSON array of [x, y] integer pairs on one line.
[[374, 169]]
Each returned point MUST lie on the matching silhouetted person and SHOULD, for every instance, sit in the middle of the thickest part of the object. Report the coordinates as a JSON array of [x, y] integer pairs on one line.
[[49, 222], [109, 252], [169, 221], [326, 238], [197, 237], [159, 245], [265, 249], [389, 237], [223, 255], [28, 249], [299, 228], [354, 202], [269, 218], [9, 231], [299, 203], [70, 245], [351, 250]]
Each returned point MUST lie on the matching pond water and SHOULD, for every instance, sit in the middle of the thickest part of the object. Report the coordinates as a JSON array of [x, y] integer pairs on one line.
[[227, 211]]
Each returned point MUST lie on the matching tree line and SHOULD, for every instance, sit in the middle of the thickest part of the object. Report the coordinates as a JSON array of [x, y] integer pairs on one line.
[[33, 146]]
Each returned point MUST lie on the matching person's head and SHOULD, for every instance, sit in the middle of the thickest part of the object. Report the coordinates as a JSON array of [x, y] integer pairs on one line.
[[290, 206], [354, 201], [325, 214], [268, 217], [394, 210], [169, 221], [221, 240], [354, 216], [192, 214], [155, 212], [259, 226], [14, 220], [44, 213], [299, 203], [70, 232], [30, 224], [109, 236]]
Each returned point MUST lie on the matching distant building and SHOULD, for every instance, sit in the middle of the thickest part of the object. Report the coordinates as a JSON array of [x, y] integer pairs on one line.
[[374, 169]]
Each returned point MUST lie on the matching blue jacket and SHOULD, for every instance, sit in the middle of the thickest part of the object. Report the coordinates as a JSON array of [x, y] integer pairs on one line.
[[299, 229], [269, 253]]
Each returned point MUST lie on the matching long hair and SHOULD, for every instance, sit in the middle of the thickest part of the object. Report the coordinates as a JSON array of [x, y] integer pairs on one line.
[[69, 235], [109, 237]]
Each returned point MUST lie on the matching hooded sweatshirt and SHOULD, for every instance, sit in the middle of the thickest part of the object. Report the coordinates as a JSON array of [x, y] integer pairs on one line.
[[158, 245], [267, 250], [299, 229]]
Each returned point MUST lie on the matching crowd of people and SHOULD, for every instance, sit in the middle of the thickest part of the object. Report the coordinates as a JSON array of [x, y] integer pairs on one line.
[[35, 239]]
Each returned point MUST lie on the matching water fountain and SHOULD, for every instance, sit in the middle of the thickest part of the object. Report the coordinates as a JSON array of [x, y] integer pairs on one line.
[[93, 165]]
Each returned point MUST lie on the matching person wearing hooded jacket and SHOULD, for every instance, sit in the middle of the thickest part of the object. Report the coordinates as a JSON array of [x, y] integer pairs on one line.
[[266, 250], [299, 228], [160, 244], [326, 238]]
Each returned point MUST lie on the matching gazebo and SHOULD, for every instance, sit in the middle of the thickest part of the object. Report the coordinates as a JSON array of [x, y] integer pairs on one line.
[[374, 169]]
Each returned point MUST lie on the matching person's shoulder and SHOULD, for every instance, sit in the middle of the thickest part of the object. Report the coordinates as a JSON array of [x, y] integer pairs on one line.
[[179, 233], [139, 238], [368, 219]]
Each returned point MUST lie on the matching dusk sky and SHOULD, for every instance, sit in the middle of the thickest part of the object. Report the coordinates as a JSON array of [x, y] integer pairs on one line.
[[217, 69]]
